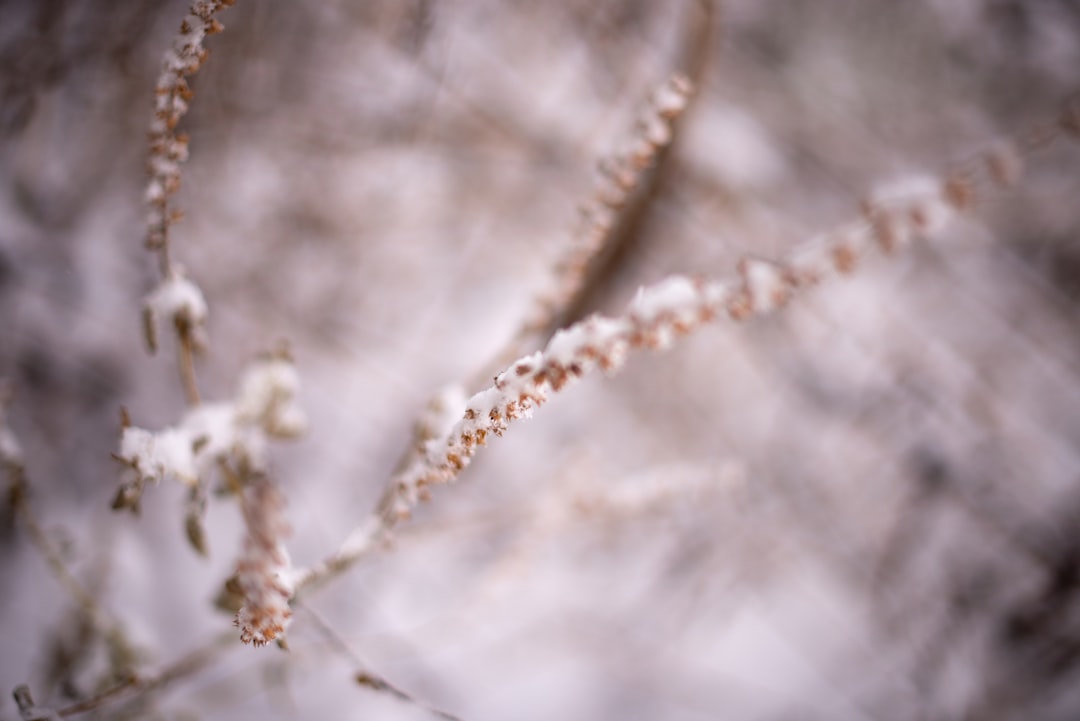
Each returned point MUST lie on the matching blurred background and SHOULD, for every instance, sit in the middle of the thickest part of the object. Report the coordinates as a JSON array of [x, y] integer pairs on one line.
[[864, 507]]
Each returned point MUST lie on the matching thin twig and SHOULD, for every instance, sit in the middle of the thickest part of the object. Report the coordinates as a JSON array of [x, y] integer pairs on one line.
[[109, 628], [138, 686], [364, 676], [187, 369]]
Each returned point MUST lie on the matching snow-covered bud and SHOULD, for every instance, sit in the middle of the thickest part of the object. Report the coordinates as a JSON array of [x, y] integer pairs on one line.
[[267, 398], [263, 571], [180, 302]]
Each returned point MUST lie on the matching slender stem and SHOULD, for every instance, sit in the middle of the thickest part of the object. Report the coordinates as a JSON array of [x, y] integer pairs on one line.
[[137, 686], [187, 368], [363, 675]]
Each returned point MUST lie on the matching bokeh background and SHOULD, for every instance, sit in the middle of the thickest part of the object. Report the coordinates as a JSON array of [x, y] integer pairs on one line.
[[864, 507]]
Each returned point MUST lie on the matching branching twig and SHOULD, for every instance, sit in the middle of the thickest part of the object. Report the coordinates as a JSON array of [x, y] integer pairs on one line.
[[891, 219], [168, 151], [619, 197], [137, 686], [110, 629]]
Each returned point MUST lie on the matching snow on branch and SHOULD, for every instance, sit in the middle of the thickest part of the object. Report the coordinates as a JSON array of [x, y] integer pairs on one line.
[[212, 436], [176, 298], [619, 179], [617, 191], [180, 302], [892, 217]]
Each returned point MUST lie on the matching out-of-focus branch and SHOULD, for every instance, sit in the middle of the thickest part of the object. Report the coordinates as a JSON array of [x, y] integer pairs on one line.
[[136, 686], [364, 676], [584, 271], [621, 192], [609, 220], [621, 198], [120, 650], [28, 710]]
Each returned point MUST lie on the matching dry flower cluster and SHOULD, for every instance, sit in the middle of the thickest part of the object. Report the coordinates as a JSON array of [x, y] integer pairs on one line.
[[168, 148]]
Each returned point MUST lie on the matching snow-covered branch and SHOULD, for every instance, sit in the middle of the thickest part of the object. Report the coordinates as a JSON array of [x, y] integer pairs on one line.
[[892, 218]]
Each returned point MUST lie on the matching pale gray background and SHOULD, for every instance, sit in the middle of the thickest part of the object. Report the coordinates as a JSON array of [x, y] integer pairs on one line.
[[866, 507]]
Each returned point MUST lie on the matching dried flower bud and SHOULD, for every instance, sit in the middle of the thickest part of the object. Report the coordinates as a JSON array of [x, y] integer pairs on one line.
[[263, 568]]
